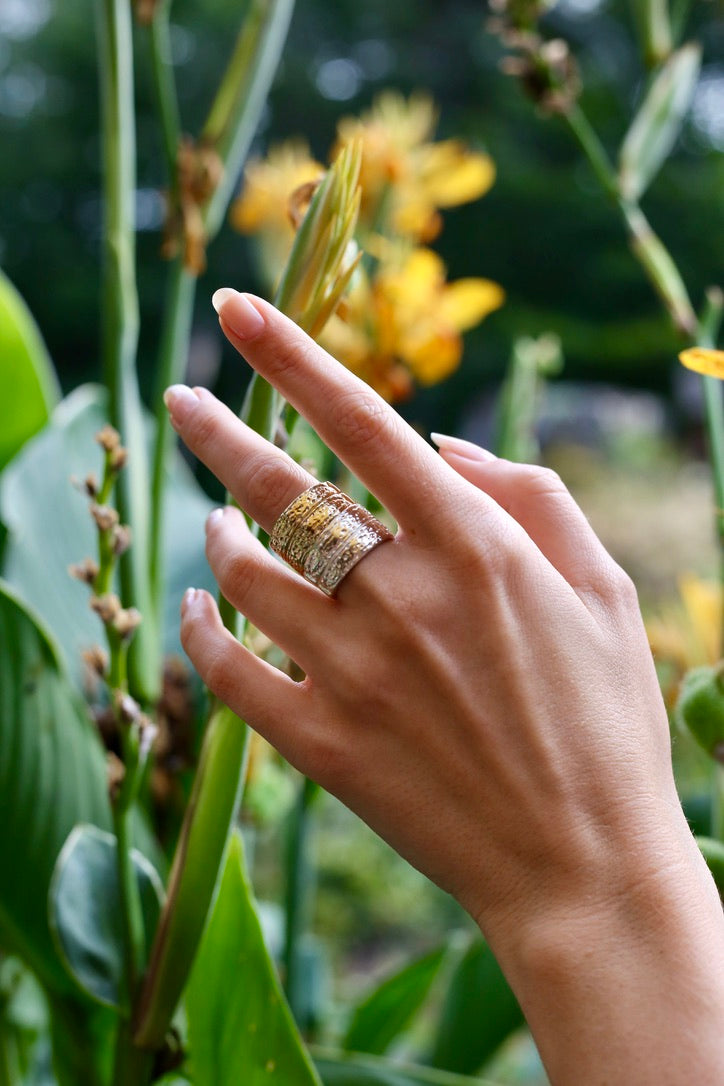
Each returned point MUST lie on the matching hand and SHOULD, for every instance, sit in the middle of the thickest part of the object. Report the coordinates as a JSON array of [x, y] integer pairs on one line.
[[480, 690]]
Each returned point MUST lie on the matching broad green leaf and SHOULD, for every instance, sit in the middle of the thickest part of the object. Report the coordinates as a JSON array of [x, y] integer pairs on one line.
[[478, 1013], [85, 910], [28, 385], [52, 775], [49, 526], [345, 1069], [657, 124], [383, 1015], [240, 1028]]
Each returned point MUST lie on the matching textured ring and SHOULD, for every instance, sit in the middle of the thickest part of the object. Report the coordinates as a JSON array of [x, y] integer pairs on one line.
[[323, 534]]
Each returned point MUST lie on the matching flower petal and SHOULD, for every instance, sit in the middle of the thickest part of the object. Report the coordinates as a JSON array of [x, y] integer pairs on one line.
[[704, 360], [465, 302]]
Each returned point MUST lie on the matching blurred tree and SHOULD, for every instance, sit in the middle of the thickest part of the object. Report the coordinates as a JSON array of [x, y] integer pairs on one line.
[[542, 232]]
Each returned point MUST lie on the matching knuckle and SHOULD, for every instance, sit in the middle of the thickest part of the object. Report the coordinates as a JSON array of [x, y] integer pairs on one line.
[[266, 483], [360, 417], [238, 575], [291, 359], [202, 429], [619, 587], [541, 481]]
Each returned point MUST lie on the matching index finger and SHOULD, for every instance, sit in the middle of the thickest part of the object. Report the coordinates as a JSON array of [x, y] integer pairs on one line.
[[393, 462]]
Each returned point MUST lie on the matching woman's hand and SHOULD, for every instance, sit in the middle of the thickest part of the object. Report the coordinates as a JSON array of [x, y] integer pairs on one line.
[[480, 691]]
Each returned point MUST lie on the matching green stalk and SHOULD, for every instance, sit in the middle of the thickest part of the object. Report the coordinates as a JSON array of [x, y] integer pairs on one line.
[[713, 390], [647, 247], [165, 87], [120, 323], [210, 813], [133, 1066], [297, 895], [235, 113], [654, 25], [173, 358], [232, 122]]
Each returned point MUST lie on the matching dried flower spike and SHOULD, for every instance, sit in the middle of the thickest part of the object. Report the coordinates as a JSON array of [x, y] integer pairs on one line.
[[116, 772], [85, 571], [96, 660], [105, 516], [127, 708], [118, 458], [106, 606], [121, 539], [127, 621], [108, 438]]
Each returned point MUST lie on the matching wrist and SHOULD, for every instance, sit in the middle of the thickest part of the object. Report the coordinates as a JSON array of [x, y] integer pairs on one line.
[[618, 979]]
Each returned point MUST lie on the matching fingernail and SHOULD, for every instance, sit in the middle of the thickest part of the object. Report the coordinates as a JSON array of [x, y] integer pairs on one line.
[[180, 400], [214, 517], [188, 599], [467, 449], [243, 318]]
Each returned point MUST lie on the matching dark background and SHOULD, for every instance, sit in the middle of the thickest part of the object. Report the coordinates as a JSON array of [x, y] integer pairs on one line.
[[545, 231]]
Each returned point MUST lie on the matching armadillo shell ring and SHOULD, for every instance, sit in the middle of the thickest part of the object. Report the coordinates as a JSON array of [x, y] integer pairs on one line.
[[323, 534]]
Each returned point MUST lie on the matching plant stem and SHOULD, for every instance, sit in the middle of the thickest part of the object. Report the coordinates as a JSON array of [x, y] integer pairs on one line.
[[297, 895], [133, 1066], [173, 358], [120, 321], [593, 150], [165, 87]]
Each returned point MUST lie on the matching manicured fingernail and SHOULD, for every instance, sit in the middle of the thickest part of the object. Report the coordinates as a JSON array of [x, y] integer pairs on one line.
[[214, 517], [467, 449], [189, 598], [243, 318], [180, 400]]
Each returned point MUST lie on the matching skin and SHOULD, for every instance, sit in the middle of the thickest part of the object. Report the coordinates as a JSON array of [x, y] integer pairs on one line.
[[481, 692]]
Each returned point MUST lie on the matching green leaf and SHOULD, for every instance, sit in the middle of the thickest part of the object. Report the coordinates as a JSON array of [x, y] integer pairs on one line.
[[713, 852], [49, 526], [240, 1028], [344, 1069], [478, 1013], [657, 124], [85, 910], [28, 385], [383, 1015], [52, 775]]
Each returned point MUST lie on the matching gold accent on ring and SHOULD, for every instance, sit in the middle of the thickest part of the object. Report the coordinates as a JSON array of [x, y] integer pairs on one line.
[[323, 534]]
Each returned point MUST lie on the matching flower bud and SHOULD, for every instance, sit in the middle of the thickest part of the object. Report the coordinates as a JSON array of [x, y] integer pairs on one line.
[[106, 606], [701, 708], [121, 539], [118, 458], [85, 571], [115, 774], [108, 438], [127, 708], [96, 660], [105, 516], [90, 485], [126, 622]]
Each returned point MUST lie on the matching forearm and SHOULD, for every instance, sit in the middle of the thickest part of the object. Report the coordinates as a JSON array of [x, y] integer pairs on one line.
[[630, 993]]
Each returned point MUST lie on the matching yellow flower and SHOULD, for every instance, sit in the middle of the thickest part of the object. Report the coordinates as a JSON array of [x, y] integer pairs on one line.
[[688, 632], [704, 360], [268, 186], [404, 325], [406, 177]]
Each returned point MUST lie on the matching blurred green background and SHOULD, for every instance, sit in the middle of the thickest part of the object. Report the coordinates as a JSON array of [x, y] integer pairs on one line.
[[544, 231]]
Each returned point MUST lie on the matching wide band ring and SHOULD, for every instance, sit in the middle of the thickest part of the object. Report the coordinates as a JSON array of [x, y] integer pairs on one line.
[[323, 534]]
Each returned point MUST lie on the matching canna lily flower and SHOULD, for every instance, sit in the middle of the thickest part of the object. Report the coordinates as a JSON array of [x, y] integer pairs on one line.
[[687, 634], [403, 326], [268, 186], [405, 176], [704, 360]]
